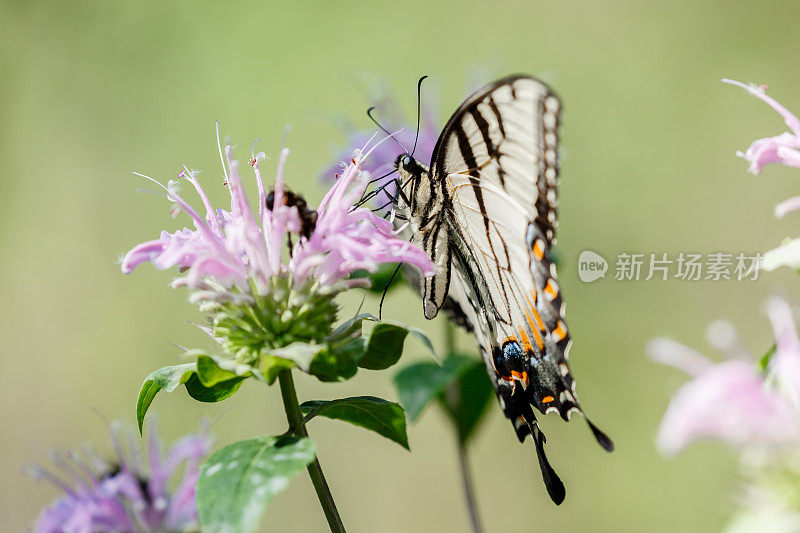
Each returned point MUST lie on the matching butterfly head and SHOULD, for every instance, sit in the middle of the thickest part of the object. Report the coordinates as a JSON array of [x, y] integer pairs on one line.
[[414, 189], [409, 168], [405, 164]]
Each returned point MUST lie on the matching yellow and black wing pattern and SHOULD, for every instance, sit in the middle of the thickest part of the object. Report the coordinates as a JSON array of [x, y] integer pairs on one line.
[[493, 186]]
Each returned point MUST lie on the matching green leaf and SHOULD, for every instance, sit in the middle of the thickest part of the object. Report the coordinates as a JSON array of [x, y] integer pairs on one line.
[[300, 353], [215, 393], [375, 414], [763, 362], [467, 398], [335, 364], [423, 338], [419, 383], [237, 482], [350, 328], [384, 345], [210, 373], [354, 349], [326, 362], [168, 379]]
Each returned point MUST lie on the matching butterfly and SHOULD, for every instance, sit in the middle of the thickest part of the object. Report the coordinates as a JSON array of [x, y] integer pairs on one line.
[[485, 213]]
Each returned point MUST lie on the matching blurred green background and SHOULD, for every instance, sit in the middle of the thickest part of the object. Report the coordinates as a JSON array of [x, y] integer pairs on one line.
[[92, 90]]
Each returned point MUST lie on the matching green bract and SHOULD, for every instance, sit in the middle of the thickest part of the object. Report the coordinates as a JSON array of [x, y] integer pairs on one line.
[[282, 316]]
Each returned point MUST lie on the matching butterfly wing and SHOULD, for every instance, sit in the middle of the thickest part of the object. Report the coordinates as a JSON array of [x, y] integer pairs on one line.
[[497, 165]]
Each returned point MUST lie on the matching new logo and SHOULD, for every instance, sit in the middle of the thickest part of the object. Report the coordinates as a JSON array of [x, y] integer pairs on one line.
[[591, 266]]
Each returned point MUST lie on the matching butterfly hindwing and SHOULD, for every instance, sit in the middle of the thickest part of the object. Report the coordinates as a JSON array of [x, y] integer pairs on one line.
[[436, 243]]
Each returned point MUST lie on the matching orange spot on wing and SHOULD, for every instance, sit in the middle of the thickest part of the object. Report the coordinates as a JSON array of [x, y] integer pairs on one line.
[[538, 319], [547, 399], [536, 325], [560, 332], [526, 341], [522, 376], [551, 289], [536, 334], [538, 249]]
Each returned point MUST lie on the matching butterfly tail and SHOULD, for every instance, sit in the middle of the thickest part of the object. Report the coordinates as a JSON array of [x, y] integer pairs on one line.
[[562, 399], [602, 439], [526, 424]]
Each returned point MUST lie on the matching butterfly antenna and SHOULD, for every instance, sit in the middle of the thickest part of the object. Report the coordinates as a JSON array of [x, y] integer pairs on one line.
[[386, 289], [419, 109], [384, 130]]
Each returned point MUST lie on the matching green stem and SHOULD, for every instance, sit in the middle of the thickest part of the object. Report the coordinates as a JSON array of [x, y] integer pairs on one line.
[[463, 462], [449, 337], [469, 490], [298, 427]]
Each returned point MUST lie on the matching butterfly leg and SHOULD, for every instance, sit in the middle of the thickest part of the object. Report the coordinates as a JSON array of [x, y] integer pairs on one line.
[[366, 196]]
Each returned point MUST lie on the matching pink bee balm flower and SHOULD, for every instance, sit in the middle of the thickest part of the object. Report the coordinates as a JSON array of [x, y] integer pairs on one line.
[[238, 247], [732, 400], [782, 148], [261, 294], [128, 495]]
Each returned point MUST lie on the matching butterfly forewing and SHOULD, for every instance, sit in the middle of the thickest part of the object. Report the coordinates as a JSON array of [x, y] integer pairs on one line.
[[507, 135], [497, 163]]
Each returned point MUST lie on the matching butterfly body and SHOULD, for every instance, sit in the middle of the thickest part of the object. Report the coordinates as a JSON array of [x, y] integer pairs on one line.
[[485, 212]]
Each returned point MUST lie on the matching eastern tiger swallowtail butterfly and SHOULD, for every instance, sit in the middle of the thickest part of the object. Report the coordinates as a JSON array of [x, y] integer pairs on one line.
[[485, 212]]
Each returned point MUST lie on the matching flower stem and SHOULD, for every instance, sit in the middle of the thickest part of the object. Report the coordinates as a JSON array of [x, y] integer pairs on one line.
[[298, 426], [469, 490], [463, 460]]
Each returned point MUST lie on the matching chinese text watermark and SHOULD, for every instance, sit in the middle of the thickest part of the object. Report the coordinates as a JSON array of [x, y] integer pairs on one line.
[[631, 266]]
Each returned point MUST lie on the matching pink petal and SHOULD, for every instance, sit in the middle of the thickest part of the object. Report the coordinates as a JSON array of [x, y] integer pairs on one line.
[[769, 150], [728, 402], [789, 156], [142, 253], [787, 206], [791, 120], [675, 354], [785, 363]]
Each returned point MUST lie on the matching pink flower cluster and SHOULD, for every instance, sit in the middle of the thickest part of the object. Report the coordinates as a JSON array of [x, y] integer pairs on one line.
[[129, 495], [243, 249], [782, 149], [732, 400]]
